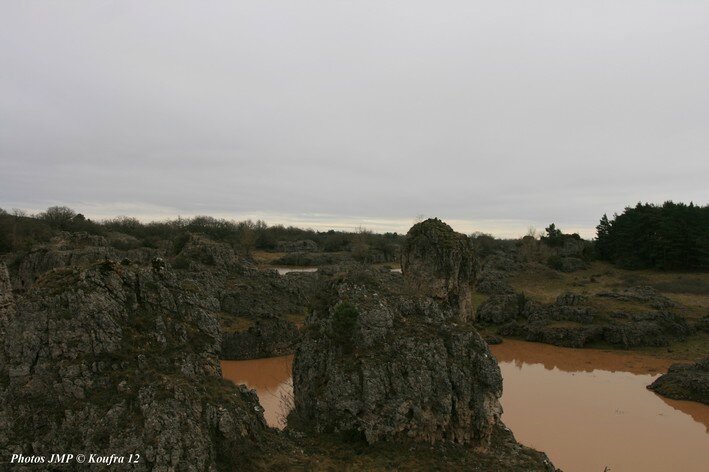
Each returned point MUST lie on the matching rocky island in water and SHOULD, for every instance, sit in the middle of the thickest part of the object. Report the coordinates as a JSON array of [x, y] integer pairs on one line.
[[112, 343]]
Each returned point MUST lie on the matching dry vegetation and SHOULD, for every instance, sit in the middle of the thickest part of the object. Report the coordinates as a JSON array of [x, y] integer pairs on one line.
[[265, 258], [690, 290]]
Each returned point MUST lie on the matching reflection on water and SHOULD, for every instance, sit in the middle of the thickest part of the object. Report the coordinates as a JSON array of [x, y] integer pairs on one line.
[[586, 408], [271, 378], [286, 270]]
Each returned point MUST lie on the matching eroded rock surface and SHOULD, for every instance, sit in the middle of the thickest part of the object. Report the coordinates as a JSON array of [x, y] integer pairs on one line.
[[573, 321], [439, 263], [685, 382], [366, 367], [268, 337], [119, 360], [387, 366], [67, 250]]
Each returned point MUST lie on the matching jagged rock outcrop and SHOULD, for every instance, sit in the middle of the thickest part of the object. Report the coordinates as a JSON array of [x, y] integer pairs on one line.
[[265, 292], [647, 329], [493, 283], [685, 382], [268, 337], [439, 263], [641, 329], [43, 259], [388, 366], [641, 294], [500, 309], [67, 250], [565, 336], [205, 253], [572, 320], [117, 359], [365, 367]]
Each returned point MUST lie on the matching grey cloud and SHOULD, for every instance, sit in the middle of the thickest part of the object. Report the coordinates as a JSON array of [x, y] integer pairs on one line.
[[488, 113]]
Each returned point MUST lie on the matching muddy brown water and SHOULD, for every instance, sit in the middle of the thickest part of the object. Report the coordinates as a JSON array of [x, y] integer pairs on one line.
[[587, 409]]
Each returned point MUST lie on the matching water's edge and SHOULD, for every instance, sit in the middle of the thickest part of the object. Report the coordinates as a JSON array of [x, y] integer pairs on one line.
[[587, 409]]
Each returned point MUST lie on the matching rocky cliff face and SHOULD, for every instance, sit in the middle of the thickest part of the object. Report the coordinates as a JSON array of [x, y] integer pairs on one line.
[[268, 337], [224, 283], [380, 368], [66, 250], [438, 262], [116, 359], [389, 367], [265, 292]]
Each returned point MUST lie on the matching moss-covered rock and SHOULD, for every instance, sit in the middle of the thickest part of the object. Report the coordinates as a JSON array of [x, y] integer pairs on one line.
[[117, 360], [405, 372], [438, 262]]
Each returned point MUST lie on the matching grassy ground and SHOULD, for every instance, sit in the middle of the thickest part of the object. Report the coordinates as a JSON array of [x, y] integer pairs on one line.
[[266, 258], [690, 290]]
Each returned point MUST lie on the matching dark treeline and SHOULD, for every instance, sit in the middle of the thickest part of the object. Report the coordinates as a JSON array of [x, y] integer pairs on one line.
[[674, 236], [20, 231]]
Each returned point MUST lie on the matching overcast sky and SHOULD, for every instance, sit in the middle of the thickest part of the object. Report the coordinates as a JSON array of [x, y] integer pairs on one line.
[[494, 115]]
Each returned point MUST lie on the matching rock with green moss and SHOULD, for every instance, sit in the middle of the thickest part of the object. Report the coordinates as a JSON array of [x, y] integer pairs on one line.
[[387, 366], [438, 262], [67, 250], [120, 360]]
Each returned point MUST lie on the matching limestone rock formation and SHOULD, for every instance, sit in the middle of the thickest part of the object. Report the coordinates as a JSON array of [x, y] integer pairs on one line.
[[367, 365], [265, 292], [500, 309], [379, 363], [66, 250], [574, 321], [641, 294], [268, 337], [685, 382], [438, 262], [118, 360], [206, 253]]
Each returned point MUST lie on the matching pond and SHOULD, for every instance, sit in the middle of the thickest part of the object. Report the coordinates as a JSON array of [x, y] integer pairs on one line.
[[287, 270], [586, 408]]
